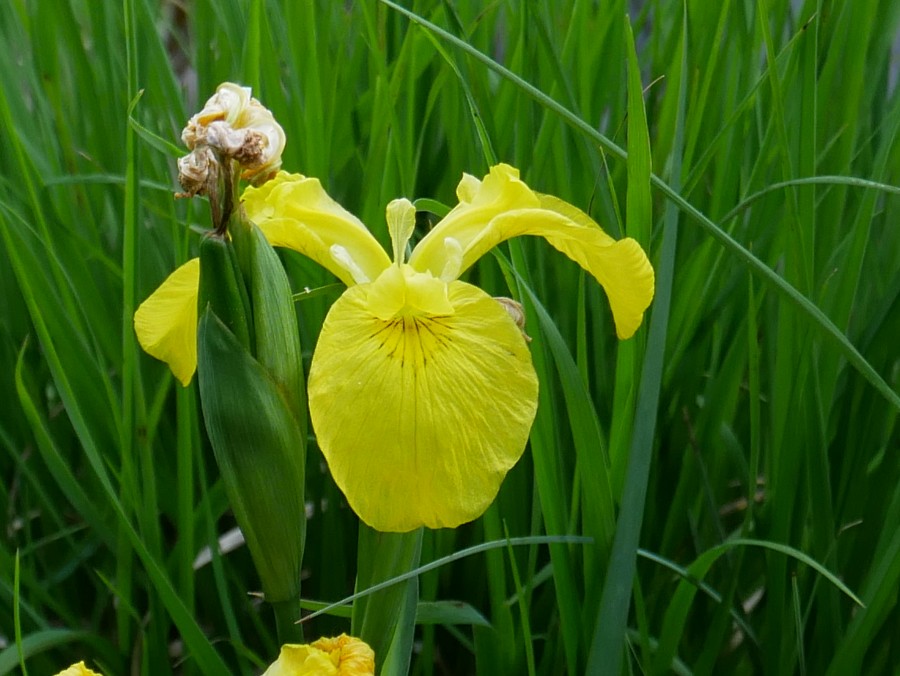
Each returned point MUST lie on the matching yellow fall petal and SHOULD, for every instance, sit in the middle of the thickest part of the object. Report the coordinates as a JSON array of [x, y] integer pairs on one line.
[[295, 212], [166, 323], [502, 206], [78, 670], [421, 417]]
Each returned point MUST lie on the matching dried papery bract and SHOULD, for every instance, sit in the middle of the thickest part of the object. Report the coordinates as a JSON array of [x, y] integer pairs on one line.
[[193, 171], [233, 135], [516, 312]]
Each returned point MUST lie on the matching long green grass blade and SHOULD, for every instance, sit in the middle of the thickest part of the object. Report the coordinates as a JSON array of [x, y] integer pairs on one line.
[[609, 629], [445, 560]]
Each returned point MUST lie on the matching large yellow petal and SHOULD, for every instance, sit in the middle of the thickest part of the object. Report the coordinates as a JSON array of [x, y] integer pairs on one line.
[[502, 207], [295, 212], [166, 323], [420, 417]]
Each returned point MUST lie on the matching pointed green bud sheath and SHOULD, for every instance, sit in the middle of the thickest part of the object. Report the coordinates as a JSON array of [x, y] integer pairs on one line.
[[254, 406], [258, 447], [277, 338], [222, 287], [240, 230]]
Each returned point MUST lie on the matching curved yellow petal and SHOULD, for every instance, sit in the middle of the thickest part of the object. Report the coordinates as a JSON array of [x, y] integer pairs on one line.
[[620, 266], [421, 417], [166, 323], [479, 202], [295, 212], [79, 669], [502, 207]]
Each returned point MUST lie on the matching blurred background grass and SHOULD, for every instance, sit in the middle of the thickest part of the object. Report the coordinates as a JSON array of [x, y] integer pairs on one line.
[[741, 416]]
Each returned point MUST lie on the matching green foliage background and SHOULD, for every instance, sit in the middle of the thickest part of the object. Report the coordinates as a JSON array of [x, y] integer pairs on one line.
[[746, 437]]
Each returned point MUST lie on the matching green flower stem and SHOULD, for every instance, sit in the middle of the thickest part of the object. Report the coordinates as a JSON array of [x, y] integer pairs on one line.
[[286, 615], [378, 619]]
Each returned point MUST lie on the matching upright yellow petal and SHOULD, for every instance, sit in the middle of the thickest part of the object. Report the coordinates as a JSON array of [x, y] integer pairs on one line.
[[502, 207], [421, 417], [401, 222], [295, 212], [166, 323]]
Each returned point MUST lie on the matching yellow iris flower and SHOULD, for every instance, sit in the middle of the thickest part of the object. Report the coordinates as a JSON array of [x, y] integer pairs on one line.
[[339, 656], [421, 391]]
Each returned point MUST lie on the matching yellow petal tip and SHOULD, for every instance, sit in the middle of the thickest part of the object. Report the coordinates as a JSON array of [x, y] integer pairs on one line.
[[166, 323]]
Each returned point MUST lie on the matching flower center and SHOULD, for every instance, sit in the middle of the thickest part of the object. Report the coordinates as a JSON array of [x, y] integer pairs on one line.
[[401, 291]]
